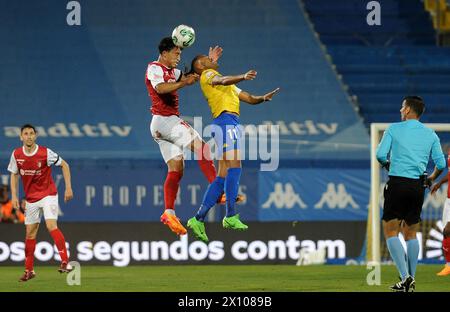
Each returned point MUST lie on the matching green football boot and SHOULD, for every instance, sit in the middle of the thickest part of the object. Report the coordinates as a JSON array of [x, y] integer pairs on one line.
[[234, 223], [198, 228]]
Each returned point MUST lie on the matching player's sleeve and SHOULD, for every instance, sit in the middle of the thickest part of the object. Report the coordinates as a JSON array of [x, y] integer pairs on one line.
[[53, 159], [155, 75], [437, 154], [237, 90], [12, 167], [384, 147], [178, 74], [209, 76]]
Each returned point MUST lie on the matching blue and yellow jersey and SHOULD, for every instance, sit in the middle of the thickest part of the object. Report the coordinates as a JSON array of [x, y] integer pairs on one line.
[[220, 98]]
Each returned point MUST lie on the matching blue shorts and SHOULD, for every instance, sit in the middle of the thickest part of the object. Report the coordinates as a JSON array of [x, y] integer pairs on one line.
[[227, 133]]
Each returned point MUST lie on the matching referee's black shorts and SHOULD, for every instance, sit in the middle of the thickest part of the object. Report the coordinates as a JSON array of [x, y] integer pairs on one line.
[[403, 199]]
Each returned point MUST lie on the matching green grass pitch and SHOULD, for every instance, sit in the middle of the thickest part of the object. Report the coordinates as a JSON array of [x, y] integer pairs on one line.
[[241, 278]]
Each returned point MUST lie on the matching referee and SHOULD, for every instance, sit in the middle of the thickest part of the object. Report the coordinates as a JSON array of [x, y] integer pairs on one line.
[[409, 145]]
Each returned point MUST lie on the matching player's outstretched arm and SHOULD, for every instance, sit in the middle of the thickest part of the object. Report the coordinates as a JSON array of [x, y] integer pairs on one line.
[[68, 194], [167, 87], [14, 182], [229, 80], [256, 99]]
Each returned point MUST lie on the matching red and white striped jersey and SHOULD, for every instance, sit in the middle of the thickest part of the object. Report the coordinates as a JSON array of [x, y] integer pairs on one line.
[[35, 170], [162, 104]]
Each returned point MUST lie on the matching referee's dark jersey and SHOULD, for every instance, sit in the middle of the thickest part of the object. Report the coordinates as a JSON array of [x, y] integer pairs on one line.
[[410, 144]]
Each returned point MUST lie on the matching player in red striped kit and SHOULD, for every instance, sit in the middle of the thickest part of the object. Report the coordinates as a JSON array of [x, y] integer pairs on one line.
[[445, 220], [172, 133], [33, 163]]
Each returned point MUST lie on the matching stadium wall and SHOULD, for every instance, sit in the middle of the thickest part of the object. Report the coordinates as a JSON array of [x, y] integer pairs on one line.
[[120, 190], [117, 191]]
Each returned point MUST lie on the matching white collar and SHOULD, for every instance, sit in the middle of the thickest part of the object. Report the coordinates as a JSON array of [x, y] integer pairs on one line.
[[33, 153]]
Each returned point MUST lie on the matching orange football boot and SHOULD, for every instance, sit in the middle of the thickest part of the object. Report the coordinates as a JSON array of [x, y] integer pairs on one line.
[[445, 271], [173, 223]]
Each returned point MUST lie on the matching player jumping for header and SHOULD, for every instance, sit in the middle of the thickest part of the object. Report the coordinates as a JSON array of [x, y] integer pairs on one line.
[[172, 133], [223, 98]]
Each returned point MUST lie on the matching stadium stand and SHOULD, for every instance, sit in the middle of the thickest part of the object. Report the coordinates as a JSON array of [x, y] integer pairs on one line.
[[67, 77], [382, 64], [83, 86]]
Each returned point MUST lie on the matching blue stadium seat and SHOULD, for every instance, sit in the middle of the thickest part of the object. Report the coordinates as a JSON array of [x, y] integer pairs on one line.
[[380, 65]]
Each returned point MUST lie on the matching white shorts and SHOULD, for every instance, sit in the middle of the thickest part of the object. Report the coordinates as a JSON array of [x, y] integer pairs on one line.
[[446, 212], [172, 134], [47, 206]]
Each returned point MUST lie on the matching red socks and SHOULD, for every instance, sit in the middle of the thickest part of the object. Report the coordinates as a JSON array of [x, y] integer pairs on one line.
[[172, 183], [206, 164], [171, 188], [60, 243], [446, 248], [30, 245]]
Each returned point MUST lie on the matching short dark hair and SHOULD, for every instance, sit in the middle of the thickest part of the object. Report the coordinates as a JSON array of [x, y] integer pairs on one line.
[[27, 126], [416, 103], [166, 44]]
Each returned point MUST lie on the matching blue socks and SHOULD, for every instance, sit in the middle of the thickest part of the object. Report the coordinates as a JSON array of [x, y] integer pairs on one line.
[[412, 249], [213, 192], [215, 189], [232, 188], [398, 255]]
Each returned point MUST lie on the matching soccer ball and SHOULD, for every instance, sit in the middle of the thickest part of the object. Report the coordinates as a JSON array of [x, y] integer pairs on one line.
[[183, 36]]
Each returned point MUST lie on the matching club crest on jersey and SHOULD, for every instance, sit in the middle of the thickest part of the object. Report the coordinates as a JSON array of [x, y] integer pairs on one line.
[[39, 163], [22, 172]]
